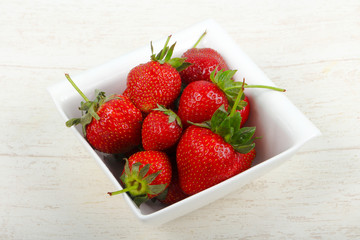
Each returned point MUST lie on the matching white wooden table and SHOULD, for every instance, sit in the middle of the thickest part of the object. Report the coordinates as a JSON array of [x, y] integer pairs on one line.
[[50, 186]]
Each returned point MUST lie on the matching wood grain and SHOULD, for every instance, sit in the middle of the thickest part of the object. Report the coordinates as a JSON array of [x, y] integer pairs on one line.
[[51, 187]]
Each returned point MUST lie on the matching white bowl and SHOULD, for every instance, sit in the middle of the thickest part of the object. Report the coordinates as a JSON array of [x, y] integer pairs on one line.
[[283, 128]]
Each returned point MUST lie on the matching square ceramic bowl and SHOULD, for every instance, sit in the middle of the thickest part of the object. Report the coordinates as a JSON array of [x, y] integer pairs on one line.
[[283, 128]]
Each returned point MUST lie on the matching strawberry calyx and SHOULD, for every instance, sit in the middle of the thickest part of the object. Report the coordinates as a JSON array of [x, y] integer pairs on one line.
[[228, 124], [164, 56], [137, 184], [88, 108], [172, 115], [223, 79]]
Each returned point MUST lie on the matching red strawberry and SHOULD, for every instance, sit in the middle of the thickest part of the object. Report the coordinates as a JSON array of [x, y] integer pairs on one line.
[[207, 154], [244, 161], [204, 61], [146, 175], [157, 81], [203, 160], [110, 124], [199, 101], [126, 93], [244, 112], [173, 193], [161, 129]]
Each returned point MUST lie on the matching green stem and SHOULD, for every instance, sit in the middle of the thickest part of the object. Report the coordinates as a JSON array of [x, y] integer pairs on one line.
[[124, 190], [164, 49], [257, 86], [199, 40], [267, 87], [76, 87], [237, 100]]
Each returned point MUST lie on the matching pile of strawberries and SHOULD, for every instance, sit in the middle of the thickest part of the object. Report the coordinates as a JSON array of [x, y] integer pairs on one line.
[[180, 124]]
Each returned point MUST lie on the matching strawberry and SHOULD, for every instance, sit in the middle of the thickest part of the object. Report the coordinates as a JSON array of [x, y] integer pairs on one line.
[[204, 61], [244, 111], [173, 193], [203, 159], [157, 81], [199, 101], [126, 93], [208, 153], [161, 129], [146, 175], [110, 124], [244, 161]]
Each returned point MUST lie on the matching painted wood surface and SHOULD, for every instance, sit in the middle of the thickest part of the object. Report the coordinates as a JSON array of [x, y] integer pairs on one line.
[[52, 189]]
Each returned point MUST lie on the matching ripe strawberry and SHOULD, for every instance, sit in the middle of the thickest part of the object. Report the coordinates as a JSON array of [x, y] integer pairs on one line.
[[173, 193], [199, 101], [146, 175], [126, 93], [157, 81], [203, 159], [161, 129], [204, 61], [110, 124], [207, 154], [244, 161], [244, 111]]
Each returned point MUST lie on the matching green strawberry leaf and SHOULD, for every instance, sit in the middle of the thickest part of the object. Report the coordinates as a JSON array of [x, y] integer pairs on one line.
[[206, 124], [151, 177], [127, 168], [135, 168], [243, 135], [169, 53], [162, 195], [241, 105], [224, 80], [223, 124], [183, 66], [218, 117], [244, 148], [138, 200], [73, 121], [172, 115], [92, 111], [224, 129], [144, 170], [122, 177], [235, 120], [164, 56], [84, 106], [156, 189]]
